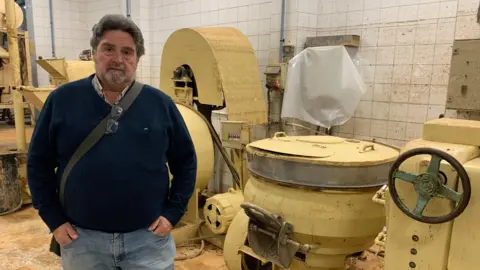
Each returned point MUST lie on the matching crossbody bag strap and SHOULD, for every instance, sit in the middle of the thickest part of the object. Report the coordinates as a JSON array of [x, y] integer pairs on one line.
[[97, 134]]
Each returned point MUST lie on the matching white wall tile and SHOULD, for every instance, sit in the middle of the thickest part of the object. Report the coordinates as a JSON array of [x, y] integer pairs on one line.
[[398, 112], [372, 4], [404, 54], [402, 74], [438, 95], [380, 110], [400, 93], [417, 113], [382, 92], [408, 13], [448, 9], [378, 128], [426, 33], [362, 126], [467, 7], [396, 130]]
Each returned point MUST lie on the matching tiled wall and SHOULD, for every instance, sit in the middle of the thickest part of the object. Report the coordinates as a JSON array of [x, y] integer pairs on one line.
[[405, 59]]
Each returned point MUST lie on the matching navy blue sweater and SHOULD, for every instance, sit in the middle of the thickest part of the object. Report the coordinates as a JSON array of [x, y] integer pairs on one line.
[[122, 183]]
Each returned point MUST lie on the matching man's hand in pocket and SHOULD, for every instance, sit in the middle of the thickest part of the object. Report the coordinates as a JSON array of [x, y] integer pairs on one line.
[[161, 226], [65, 234]]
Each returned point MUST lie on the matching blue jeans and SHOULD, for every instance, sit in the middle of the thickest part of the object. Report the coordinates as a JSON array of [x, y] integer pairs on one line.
[[141, 249]]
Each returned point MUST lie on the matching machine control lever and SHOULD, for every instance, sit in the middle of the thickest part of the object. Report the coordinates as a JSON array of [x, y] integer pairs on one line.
[[271, 237]]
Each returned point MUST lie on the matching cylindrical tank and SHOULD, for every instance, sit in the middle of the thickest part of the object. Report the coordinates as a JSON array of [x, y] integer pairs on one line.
[[323, 186], [203, 143]]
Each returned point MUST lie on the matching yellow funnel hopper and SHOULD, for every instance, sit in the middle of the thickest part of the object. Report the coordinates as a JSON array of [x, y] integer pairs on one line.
[[36, 96], [63, 71]]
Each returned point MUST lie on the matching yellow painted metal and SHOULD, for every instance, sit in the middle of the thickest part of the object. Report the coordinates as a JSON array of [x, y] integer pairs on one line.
[[36, 96], [449, 130], [219, 210], [200, 134], [451, 245], [224, 65], [464, 243], [336, 223], [339, 222], [63, 71], [16, 20], [325, 150], [12, 25], [235, 240]]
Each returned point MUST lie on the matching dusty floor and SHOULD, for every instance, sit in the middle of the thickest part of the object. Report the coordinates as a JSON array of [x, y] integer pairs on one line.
[[24, 242]]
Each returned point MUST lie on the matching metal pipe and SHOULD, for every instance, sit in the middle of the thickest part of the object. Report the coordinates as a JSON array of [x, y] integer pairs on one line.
[[34, 89], [52, 27], [31, 40], [282, 30], [129, 8], [14, 53]]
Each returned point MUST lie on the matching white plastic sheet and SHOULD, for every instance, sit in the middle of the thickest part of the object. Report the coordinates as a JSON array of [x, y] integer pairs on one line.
[[323, 86]]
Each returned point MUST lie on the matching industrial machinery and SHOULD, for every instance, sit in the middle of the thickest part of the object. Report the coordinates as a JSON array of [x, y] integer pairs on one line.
[[431, 202], [9, 66], [308, 203], [206, 69]]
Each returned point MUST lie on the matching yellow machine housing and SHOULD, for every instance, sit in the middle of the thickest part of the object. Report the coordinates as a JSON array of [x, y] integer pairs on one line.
[[206, 69], [319, 190], [453, 244]]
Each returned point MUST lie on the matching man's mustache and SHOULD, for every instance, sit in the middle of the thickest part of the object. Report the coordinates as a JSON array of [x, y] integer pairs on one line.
[[120, 68]]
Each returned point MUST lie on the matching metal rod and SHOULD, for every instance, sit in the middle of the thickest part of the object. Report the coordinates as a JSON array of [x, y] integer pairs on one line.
[[16, 80], [129, 8], [52, 27], [31, 41], [282, 29], [34, 89]]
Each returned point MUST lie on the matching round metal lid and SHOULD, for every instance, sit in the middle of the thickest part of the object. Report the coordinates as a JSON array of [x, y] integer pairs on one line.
[[320, 161], [323, 150]]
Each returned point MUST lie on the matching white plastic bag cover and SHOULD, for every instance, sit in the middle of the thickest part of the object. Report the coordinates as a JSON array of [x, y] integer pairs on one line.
[[323, 87]]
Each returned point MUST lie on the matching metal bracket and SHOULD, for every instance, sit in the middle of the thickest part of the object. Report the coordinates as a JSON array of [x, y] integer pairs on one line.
[[270, 236]]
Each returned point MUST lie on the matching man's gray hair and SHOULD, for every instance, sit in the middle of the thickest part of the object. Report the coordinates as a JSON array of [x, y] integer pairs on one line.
[[119, 22]]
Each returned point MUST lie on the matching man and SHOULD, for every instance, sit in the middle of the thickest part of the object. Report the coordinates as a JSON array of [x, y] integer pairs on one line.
[[119, 208]]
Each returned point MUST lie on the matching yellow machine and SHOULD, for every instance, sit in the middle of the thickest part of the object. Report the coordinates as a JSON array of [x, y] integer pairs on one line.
[[15, 68], [432, 218], [294, 220], [206, 69], [308, 202]]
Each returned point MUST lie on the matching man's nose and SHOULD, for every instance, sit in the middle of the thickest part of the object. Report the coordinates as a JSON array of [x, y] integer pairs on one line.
[[118, 57]]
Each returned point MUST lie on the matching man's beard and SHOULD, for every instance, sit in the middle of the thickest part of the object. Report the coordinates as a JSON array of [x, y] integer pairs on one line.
[[118, 78]]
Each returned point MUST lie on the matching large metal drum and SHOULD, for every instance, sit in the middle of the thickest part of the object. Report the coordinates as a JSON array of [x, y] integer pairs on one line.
[[203, 143], [323, 187]]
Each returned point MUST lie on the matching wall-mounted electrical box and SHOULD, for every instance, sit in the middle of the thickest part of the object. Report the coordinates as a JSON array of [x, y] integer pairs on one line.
[[464, 82]]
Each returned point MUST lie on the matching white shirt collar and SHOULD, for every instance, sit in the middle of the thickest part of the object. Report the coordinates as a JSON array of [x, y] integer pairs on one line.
[[98, 87]]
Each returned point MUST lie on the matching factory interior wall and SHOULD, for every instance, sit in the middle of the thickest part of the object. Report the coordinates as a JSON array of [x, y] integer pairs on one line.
[[404, 55]]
